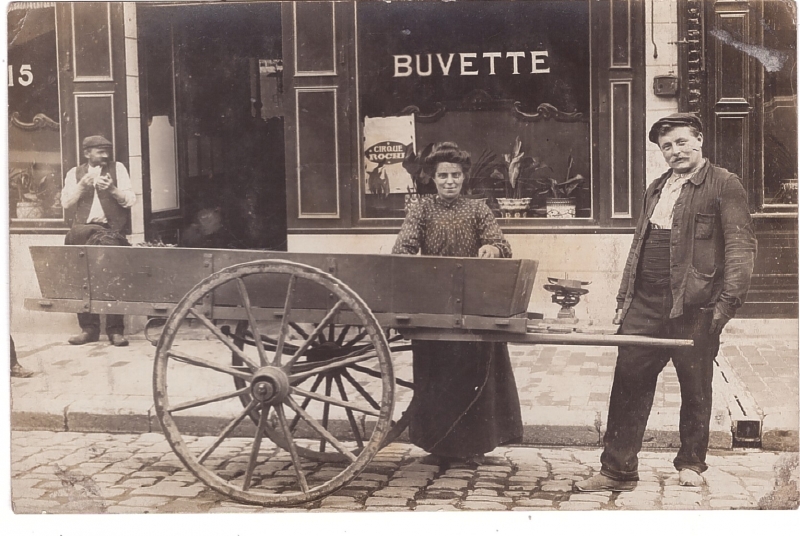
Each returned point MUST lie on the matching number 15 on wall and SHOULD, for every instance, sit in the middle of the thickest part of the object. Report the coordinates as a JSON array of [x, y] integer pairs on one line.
[[25, 75]]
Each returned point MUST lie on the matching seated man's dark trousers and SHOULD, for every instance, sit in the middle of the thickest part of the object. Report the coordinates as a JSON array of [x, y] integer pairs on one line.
[[637, 369], [88, 234]]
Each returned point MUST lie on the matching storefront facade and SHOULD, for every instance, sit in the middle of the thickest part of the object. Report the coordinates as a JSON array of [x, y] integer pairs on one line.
[[285, 125]]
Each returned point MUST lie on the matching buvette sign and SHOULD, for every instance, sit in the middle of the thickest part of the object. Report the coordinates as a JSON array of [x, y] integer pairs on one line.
[[471, 63]]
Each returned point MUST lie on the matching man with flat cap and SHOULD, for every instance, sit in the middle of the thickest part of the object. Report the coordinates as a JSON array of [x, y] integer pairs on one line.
[[100, 194], [687, 273]]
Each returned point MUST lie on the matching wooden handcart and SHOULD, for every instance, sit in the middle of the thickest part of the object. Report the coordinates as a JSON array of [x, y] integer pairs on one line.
[[285, 330]]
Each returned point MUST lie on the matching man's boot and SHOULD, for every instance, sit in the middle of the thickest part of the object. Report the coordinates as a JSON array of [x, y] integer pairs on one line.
[[85, 337]]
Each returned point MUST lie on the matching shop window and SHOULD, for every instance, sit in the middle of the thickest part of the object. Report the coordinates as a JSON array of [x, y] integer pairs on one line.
[[507, 81], [34, 134], [780, 108]]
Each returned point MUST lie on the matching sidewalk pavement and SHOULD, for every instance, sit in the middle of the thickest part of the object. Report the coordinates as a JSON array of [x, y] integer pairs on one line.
[[563, 390]]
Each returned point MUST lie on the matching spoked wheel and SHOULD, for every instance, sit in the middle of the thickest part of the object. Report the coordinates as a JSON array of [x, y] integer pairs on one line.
[[361, 379], [274, 379]]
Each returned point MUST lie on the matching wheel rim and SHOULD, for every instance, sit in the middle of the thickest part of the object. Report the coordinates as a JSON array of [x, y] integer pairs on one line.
[[339, 340], [271, 379]]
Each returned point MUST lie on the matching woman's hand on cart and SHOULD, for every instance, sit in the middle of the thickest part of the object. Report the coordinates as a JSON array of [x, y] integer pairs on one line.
[[489, 251]]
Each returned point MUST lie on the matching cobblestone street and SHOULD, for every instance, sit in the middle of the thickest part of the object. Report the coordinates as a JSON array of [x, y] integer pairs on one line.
[[64, 472]]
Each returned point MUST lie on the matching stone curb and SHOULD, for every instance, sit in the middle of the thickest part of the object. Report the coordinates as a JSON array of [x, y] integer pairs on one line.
[[80, 417]]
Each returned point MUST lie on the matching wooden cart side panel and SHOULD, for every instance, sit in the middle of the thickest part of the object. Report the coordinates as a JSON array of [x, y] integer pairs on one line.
[[61, 272], [387, 283], [156, 275], [525, 279], [493, 288]]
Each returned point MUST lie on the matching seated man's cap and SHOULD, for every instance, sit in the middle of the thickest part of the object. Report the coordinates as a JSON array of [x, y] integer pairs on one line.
[[95, 141], [675, 120]]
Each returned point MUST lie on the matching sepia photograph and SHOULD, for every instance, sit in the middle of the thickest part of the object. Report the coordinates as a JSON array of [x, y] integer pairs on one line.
[[346, 256]]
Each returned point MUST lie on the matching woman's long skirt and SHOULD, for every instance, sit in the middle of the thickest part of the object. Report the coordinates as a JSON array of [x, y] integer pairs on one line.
[[467, 398]]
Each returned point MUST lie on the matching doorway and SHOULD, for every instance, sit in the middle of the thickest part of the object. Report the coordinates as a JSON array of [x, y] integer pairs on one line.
[[213, 122]]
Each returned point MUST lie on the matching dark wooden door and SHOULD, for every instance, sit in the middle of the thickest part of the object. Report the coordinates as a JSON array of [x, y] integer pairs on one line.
[[740, 52]]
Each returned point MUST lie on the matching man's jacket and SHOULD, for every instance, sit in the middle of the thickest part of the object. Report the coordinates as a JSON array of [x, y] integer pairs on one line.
[[713, 245]]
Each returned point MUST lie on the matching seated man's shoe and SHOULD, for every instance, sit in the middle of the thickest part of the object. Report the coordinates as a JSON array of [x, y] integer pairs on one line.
[[690, 478], [117, 339], [17, 371], [84, 337], [603, 483]]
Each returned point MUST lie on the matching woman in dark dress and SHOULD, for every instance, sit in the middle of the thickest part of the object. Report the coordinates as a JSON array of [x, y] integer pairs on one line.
[[465, 391]]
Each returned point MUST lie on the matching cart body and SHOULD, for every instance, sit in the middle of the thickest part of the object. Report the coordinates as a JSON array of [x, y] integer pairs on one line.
[[402, 291]]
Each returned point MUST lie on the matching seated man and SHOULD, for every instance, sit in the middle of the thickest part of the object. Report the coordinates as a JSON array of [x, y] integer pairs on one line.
[[100, 193]]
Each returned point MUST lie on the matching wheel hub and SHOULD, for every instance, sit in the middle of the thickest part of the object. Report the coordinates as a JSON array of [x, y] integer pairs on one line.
[[270, 385]]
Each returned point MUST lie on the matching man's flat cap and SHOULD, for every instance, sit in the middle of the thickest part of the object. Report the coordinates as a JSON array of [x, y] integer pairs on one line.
[[95, 141], [675, 120]]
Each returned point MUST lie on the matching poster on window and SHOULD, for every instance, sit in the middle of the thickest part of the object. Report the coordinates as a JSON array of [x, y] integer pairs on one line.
[[386, 142]]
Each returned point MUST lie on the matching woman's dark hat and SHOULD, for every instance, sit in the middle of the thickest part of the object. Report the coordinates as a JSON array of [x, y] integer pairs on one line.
[[675, 120], [95, 141]]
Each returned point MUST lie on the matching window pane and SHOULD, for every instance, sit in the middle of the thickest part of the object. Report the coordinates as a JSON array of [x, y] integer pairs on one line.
[[780, 107], [484, 75], [34, 137]]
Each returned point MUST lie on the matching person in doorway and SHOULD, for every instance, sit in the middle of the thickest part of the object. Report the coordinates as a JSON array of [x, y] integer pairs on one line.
[[99, 192], [687, 273], [465, 391]]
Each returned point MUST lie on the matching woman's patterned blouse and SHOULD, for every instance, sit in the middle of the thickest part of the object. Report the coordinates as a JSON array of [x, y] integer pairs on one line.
[[455, 228]]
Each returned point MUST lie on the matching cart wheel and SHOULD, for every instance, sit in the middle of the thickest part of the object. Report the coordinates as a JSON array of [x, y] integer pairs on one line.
[[272, 378], [333, 342]]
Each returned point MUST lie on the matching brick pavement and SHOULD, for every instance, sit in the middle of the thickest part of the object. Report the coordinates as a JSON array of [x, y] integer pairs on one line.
[[69, 472]]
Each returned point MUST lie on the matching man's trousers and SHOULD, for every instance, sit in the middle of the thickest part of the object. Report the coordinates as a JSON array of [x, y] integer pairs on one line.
[[635, 378]]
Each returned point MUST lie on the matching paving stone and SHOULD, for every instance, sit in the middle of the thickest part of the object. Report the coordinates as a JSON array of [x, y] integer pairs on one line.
[[333, 500], [504, 500], [361, 484], [731, 504], [435, 508], [481, 505], [386, 501], [26, 493], [144, 501], [153, 474], [459, 473], [532, 475], [588, 497], [534, 503], [107, 478], [434, 502], [408, 482], [377, 477], [449, 484], [421, 466], [484, 492], [169, 489], [443, 494], [579, 505], [33, 506], [557, 485], [110, 493], [396, 492], [340, 507], [489, 484], [136, 483]]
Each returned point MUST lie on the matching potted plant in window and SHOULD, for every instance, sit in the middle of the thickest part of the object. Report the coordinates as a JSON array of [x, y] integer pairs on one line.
[[559, 203], [32, 191], [517, 172]]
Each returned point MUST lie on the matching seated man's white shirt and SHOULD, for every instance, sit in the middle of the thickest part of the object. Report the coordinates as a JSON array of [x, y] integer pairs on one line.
[[96, 213]]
